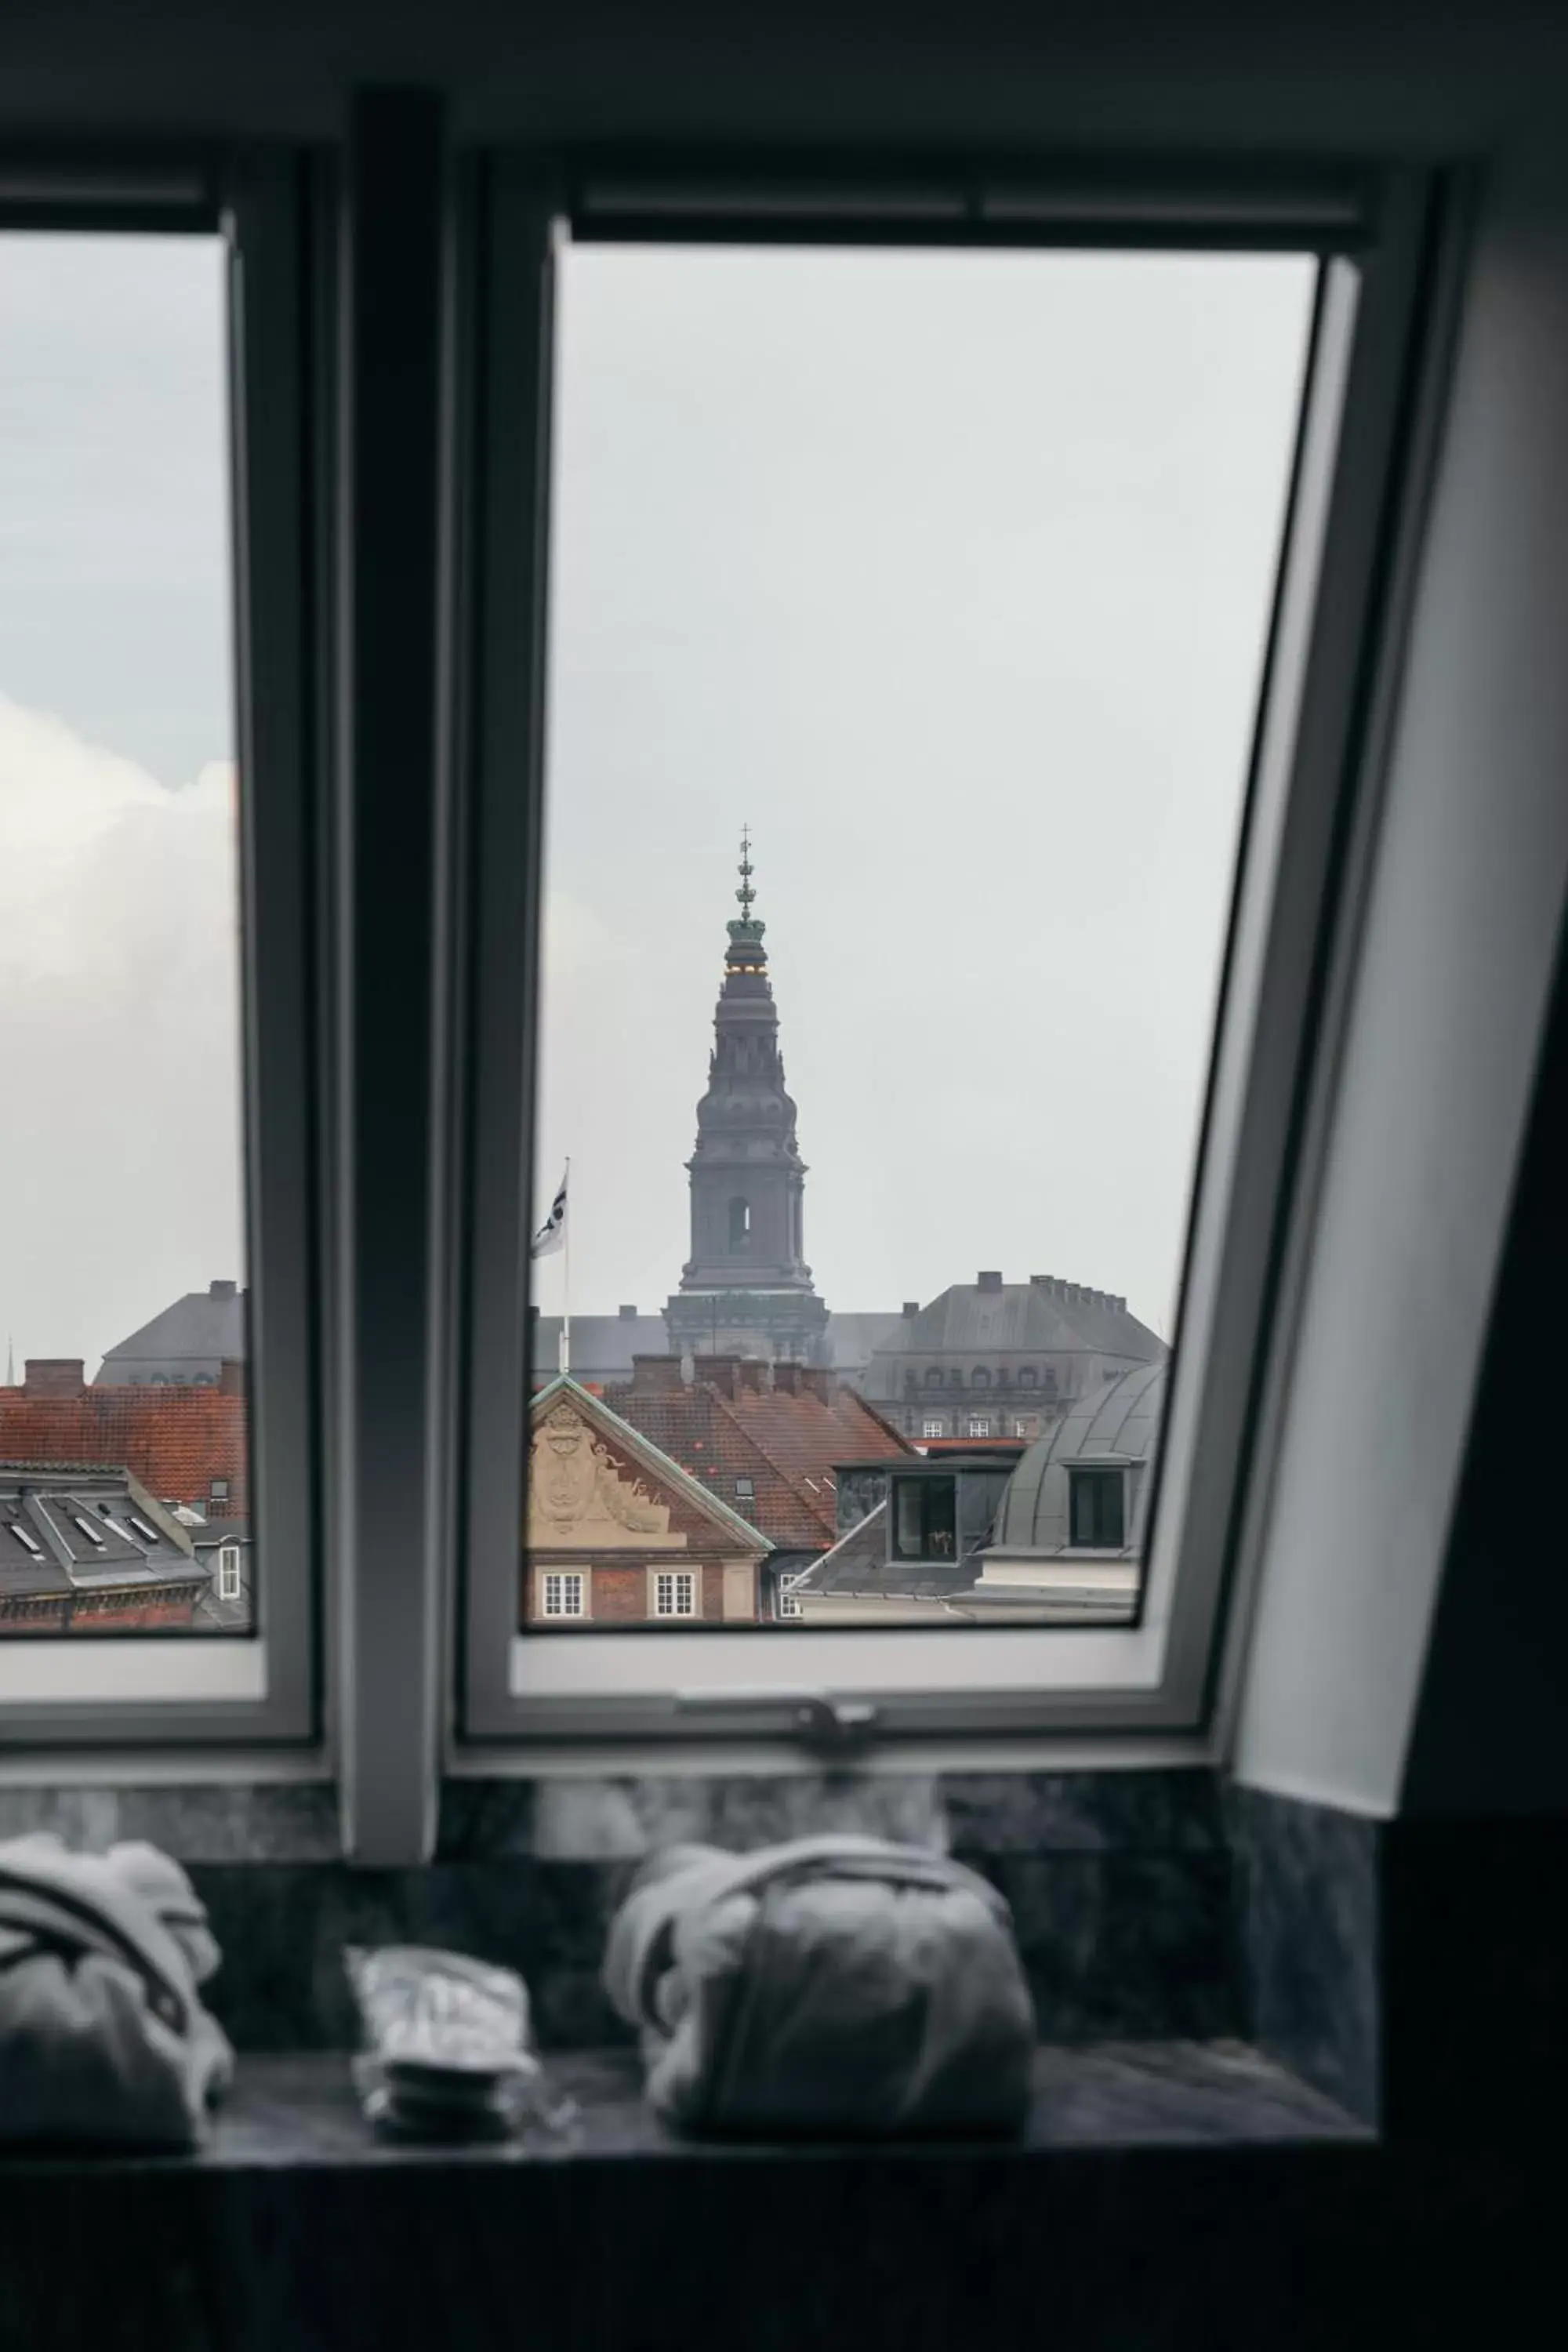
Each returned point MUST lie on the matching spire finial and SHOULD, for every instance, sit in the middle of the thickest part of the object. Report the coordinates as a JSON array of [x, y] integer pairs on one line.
[[746, 894]]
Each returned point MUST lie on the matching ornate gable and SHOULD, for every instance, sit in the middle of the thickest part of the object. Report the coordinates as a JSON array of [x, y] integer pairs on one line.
[[580, 1499]]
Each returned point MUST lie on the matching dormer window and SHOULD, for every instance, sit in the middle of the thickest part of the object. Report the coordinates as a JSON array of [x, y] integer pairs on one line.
[[925, 1518], [1097, 1509]]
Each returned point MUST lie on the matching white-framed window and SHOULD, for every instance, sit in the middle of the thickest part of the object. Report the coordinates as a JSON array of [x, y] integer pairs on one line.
[[157, 425], [674, 1593], [565, 1593], [787, 1601], [934, 1426], [228, 1576], [1294, 442]]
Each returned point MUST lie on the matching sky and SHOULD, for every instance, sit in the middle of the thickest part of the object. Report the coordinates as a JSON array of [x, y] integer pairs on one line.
[[120, 1178], [949, 574]]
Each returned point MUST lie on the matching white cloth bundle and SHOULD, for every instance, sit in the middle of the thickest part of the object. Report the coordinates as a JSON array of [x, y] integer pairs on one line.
[[103, 2037], [834, 1986]]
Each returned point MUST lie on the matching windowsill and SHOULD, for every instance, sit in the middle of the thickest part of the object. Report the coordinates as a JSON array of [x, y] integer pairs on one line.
[[303, 2111]]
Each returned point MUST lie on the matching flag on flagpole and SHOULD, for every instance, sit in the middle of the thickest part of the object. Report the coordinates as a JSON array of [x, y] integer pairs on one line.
[[552, 1234]]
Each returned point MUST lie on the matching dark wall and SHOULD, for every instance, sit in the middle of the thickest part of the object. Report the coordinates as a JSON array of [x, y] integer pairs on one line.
[[1357, 73], [1488, 1736]]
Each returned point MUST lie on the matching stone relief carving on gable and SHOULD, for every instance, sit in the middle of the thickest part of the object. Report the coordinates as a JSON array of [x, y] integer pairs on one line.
[[578, 1497]]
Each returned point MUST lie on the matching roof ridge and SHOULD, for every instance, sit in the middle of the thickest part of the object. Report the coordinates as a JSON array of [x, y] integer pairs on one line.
[[879, 1418]]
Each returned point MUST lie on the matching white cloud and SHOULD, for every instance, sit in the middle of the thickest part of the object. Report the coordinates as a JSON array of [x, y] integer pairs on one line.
[[119, 1186]]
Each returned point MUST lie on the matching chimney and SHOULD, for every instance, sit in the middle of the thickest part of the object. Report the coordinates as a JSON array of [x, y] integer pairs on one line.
[[221, 1289], [53, 1376], [627, 1314], [786, 1379], [688, 1368], [723, 1371], [231, 1377], [656, 1375], [988, 1280], [817, 1381], [754, 1380], [911, 1307]]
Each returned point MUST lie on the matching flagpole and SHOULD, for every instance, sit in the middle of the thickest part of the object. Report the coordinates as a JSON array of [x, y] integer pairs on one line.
[[566, 1274]]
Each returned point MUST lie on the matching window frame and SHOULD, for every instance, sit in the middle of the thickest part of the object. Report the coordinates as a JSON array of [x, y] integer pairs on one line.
[[258, 1688], [683, 1583], [579, 1579], [229, 1571], [1379, 237], [1083, 1477]]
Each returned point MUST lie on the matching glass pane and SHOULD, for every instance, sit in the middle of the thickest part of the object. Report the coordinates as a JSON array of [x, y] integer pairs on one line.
[[123, 1427], [907, 618]]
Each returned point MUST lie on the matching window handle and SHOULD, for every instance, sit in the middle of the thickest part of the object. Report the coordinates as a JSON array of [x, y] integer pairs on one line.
[[816, 1716]]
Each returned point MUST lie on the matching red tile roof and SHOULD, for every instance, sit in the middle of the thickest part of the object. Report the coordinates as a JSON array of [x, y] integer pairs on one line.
[[787, 1443], [177, 1440]]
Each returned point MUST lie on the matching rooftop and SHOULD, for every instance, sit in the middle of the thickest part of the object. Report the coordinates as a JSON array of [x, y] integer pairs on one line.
[[177, 1440], [1044, 1315], [84, 1527], [784, 1427], [200, 1332]]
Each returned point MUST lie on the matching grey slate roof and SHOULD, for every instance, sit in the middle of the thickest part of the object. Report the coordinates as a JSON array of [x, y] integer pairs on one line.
[[854, 1339], [134, 1542], [197, 1334], [603, 1346], [1038, 1317]]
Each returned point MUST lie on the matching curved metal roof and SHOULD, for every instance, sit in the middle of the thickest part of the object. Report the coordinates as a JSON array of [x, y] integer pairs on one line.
[[1122, 1423]]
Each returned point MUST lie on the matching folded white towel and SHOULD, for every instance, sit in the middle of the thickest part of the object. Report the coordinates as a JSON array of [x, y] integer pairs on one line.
[[103, 2037]]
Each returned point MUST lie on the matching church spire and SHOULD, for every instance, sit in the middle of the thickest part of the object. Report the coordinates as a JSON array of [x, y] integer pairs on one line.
[[746, 1285]]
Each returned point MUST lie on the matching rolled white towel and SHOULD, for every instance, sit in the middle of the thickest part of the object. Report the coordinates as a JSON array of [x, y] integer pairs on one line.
[[835, 1986], [103, 2037]]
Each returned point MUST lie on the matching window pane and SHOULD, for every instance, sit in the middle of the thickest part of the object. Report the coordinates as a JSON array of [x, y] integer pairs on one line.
[[124, 1425], [907, 618]]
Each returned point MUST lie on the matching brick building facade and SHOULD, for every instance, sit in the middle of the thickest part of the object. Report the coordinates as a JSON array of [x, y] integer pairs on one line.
[[617, 1535]]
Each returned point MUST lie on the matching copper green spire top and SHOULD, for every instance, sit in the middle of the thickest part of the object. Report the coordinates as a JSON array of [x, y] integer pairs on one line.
[[747, 953]]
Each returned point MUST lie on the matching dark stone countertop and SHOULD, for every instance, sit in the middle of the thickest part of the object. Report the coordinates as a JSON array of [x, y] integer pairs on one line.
[[303, 2111], [1167, 2196]]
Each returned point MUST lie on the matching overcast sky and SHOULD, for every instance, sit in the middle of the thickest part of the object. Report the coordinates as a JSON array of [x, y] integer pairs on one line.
[[949, 574], [119, 1158]]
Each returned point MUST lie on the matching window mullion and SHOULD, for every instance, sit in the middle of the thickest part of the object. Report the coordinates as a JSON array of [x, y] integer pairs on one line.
[[387, 1547]]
